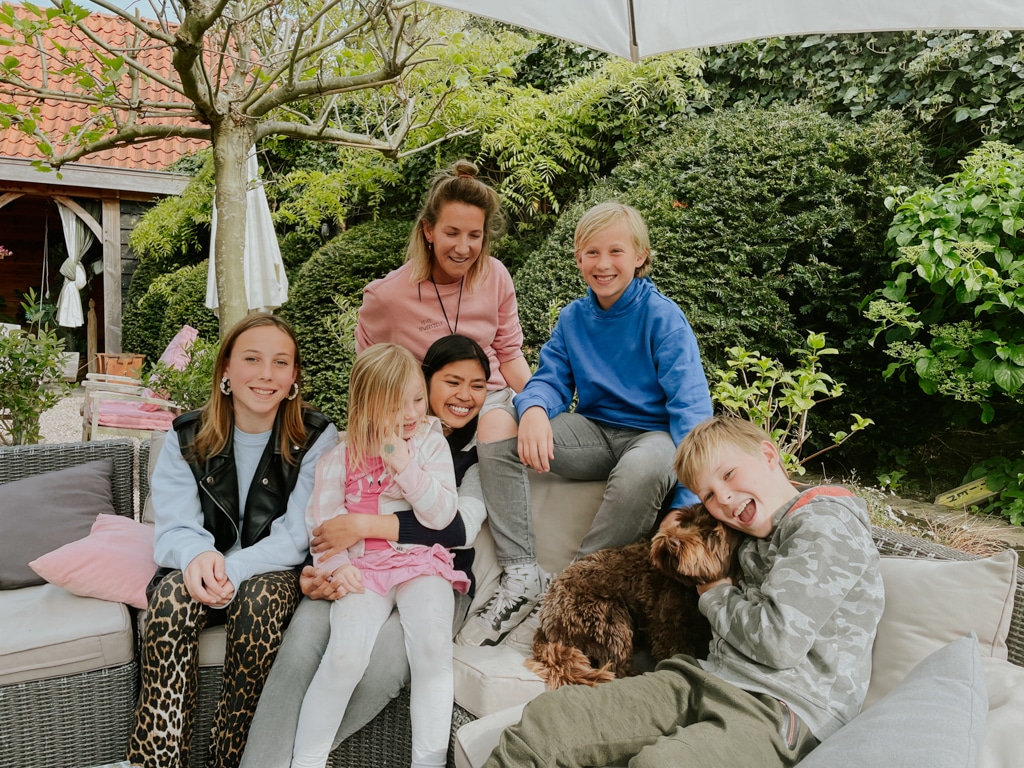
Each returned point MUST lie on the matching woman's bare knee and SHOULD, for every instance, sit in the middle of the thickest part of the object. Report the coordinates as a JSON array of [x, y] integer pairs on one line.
[[496, 425]]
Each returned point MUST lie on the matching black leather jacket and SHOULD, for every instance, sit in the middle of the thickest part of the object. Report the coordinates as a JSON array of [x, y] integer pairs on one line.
[[271, 486]]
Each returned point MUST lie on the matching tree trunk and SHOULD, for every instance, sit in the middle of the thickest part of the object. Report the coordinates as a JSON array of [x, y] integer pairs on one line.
[[231, 145]]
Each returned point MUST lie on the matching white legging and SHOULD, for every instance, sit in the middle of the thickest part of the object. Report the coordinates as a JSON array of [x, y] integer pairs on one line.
[[425, 606]]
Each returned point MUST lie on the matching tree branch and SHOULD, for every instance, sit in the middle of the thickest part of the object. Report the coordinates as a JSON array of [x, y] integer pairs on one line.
[[136, 135]]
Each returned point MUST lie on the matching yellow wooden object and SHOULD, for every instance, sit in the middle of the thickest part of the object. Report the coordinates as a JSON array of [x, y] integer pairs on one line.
[[966, 495]]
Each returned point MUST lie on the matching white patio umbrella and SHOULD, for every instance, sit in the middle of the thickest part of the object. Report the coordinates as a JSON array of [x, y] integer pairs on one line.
[[266, 284], [635, 29]]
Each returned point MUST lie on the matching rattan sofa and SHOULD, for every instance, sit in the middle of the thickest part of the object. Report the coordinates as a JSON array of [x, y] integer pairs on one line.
[[82, 720]]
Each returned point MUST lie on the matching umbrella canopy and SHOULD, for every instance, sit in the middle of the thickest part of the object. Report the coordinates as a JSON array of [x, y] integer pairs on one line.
[[266, 284], [634, 29]]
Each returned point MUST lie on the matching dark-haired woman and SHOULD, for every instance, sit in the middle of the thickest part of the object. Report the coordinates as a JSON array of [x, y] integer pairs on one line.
[[456, 370], [229, 493]]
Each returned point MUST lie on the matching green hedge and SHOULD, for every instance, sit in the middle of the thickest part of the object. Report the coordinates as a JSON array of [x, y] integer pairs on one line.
[[765, 224], [340, 269], [152, 317]]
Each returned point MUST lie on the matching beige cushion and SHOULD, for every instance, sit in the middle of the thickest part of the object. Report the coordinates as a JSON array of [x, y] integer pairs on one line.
[[1001, 747], [492, 678], [475, 741], [562, 513], [48, 632], [931, 603]]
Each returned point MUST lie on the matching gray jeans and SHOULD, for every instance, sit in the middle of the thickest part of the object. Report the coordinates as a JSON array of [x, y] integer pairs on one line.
[[272, 734], [636, 464]]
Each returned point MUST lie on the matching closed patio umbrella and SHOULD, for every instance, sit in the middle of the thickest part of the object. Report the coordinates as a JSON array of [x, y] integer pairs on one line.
[[635, 29], [266, 284]]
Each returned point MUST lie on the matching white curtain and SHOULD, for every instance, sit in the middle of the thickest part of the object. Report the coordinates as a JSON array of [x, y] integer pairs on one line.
[[78, 238], [266, 284]]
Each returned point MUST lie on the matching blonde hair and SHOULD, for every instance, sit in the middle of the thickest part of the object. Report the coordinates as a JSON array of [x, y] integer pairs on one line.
[[376, 395], [457, 184], [698, 452], [218, 415], [608, 214]]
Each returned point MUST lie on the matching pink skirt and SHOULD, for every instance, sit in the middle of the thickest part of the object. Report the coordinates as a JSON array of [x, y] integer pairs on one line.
[[385, 569]]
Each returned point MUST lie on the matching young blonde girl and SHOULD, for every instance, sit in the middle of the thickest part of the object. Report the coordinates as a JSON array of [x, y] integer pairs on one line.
[[393, 457]]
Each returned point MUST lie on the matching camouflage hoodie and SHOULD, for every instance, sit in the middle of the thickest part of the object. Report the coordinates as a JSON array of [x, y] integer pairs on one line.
[[801, 620]]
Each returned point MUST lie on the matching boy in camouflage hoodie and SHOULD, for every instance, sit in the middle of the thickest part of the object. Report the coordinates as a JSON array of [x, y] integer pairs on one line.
[[790, 657]]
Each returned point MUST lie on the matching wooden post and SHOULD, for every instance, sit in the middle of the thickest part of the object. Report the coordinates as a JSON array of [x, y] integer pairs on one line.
[[111, 275], [90, 337]]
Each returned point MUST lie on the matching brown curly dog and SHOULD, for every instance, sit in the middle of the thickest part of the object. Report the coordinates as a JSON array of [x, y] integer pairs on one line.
[[596, 608]]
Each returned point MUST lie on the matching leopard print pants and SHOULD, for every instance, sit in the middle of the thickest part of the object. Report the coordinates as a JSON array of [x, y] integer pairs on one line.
[[254, 622]]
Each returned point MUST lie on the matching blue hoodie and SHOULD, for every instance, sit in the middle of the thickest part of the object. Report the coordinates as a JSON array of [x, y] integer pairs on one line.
[[635, 365]]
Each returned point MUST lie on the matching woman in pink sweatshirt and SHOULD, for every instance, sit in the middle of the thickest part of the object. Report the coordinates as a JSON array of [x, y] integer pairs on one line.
[[451, 284]]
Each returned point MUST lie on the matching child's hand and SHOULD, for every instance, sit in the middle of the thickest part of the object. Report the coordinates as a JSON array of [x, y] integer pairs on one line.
[[536, 441], [347, 579], [395, 453], [207, 581], [316, 584], [702, 588]]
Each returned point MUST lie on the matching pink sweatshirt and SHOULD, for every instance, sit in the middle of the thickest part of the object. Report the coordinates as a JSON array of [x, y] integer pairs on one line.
[[397, 311]]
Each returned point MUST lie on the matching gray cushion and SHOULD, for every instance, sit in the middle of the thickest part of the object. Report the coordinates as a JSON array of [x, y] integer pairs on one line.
[[934, 718], [38, 514]]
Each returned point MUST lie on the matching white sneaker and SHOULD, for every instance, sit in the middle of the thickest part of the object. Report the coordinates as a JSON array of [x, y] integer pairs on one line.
[[520, 639], [512, 603]]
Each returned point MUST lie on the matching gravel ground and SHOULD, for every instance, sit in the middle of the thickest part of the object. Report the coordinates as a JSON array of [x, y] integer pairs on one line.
[[63, 422]]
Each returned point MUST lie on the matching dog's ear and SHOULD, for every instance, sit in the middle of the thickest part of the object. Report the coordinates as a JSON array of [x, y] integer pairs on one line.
[[665, 554]]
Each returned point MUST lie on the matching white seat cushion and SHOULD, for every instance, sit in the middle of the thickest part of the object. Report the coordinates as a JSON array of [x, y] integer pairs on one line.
[[475, 741], [1001, 746], [491, 678], [49, 632]]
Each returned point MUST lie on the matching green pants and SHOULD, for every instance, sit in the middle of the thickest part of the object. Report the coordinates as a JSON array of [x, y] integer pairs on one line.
[[678, 715]]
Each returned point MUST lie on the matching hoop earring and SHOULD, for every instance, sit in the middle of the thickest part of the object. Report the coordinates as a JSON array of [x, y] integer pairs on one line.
[[295, 390], [225, 386]]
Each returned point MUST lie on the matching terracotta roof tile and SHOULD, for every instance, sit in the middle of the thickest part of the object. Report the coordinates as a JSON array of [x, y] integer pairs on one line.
[[57, 117]]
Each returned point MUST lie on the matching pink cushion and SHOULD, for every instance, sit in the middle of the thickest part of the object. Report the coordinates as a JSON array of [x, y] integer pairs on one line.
[[114, 562], [176, 356], [177, 352], [124, 414]]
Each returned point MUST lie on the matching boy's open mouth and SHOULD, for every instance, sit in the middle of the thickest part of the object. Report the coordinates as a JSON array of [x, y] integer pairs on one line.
[[747, 512]]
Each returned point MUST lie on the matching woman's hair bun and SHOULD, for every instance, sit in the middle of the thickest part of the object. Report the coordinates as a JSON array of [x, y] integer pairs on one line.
[[464, 169]]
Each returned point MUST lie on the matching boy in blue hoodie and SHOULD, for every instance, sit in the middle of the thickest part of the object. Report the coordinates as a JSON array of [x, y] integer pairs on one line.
[[629, 356]]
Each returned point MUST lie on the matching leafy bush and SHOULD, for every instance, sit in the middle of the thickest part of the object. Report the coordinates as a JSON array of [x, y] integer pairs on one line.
[[31, 378], [339, 270], [176, 231], [952, 315], [957, 87], [760, 389], [190, 387], [764, 224]]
